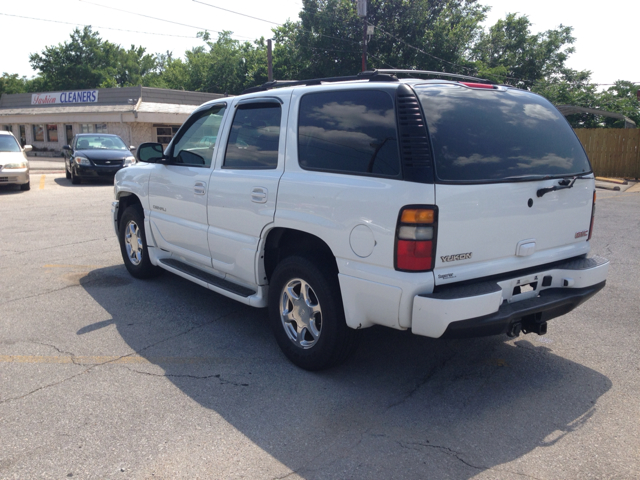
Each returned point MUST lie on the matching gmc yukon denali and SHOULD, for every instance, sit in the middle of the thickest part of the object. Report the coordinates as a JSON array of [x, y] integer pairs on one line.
[[451, 208]]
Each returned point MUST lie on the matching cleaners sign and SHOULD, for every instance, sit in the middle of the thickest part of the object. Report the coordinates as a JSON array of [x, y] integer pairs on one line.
[[79, 96]]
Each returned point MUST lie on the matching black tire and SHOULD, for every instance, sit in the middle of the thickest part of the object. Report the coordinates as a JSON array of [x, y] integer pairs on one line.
[[131, 234], [74, 178], [26, 186], [333, 341]]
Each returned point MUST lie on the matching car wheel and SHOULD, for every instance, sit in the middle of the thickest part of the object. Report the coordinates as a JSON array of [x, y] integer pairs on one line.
[[26, 186], [74, 178], [133, 244], [307, 316]]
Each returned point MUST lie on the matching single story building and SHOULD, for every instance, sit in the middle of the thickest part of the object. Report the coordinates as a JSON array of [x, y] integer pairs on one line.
[[49, 120]]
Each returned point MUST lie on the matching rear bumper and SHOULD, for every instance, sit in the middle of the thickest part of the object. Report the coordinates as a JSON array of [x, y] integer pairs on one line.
[[491, 307]]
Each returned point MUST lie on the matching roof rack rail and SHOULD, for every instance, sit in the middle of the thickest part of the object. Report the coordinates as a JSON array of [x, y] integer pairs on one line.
[[371, 75], [384, 75], [433, 73]]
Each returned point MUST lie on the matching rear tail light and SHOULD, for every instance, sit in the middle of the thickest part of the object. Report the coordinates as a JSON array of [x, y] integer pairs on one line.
[[593, 214], [416, 239]]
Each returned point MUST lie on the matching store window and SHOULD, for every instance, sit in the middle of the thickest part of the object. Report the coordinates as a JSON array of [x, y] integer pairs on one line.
[[38, 133], [7, 128], [69, 133], [86, 128], [164, 133], [23, 135], [52, 133], [101, 128]]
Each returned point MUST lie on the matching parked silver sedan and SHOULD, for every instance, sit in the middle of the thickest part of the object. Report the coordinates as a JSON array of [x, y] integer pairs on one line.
[[14, 166]]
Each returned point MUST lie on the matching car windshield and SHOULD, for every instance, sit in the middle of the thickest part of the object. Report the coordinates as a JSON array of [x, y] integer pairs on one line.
[[488, 135], [100, 142], [8, 144]]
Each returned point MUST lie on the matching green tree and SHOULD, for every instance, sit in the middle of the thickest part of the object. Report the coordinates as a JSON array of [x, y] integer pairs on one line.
[[86, 61], [509, 53]]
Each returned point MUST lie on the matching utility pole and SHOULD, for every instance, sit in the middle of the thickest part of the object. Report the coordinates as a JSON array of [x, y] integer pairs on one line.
[[269, 61], [362, 13]]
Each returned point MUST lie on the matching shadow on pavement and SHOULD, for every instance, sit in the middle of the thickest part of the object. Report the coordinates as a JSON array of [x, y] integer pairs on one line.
[[99, 182], [402, 407]]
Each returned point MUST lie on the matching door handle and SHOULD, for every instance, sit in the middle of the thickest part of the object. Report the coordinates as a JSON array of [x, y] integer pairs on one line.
[[259, 195], [200, 188]]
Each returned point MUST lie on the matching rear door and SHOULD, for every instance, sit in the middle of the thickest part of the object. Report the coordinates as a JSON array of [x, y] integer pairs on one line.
[[514, 187]]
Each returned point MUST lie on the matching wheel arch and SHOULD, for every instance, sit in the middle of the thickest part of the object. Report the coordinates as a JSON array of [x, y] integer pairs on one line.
[[285, 242], [126, 199]]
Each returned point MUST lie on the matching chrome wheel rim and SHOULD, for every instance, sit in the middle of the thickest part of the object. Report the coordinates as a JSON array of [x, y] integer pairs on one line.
[[300, 313], [133, 242]]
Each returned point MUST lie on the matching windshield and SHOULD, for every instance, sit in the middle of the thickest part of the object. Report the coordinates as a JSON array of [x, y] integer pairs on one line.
[[8, 144], [490, 135], [100, 142]]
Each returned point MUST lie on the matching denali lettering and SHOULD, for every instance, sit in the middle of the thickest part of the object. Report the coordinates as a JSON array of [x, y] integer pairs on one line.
[[156, 207], [446, 276], [455, 258]]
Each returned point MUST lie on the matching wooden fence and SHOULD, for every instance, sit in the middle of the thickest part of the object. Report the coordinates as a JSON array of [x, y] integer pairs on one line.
[[614, 152]]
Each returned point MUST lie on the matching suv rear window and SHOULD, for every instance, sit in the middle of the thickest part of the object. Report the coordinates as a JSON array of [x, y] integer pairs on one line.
[[350, 131], [482, 135]]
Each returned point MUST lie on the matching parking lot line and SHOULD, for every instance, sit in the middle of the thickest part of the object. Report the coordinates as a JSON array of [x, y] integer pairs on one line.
[[42, 182]]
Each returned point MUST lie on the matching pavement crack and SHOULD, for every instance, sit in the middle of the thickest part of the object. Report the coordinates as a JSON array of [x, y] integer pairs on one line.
[[423, 380], [55, 348], [446, 450], [458, 456], [38, 294], [195, 377], [20, 397]]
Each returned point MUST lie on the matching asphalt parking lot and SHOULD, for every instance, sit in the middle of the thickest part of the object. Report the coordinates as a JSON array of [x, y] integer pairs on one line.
[[105, 376]]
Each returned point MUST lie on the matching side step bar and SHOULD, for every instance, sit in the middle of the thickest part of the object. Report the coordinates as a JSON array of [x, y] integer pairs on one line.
[[207, 277]]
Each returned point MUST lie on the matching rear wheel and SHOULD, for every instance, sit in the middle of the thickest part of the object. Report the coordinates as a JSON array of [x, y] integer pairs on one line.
[[133, 244], [306, 314]]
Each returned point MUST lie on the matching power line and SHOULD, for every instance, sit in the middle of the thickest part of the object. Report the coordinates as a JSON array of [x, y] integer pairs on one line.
[[237, 13], [96, 26], [155, 18]]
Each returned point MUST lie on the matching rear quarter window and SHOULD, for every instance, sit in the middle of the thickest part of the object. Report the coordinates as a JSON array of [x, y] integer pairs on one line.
[[351, 131], [481, 135]]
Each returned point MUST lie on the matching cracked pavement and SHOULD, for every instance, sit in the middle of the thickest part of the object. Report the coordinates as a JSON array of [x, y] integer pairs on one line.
[[104, 376]]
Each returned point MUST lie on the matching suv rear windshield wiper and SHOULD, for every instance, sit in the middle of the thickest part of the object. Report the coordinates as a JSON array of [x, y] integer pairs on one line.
[[566, 182]]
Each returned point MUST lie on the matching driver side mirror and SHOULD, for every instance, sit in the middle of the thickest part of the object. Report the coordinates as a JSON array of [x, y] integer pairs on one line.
[[150, 153]]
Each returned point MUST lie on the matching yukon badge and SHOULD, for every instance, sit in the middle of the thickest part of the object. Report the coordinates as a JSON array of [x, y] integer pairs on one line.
[[456, 257]]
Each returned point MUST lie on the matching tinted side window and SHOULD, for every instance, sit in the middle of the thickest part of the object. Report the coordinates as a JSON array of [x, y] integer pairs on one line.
[[196, 143], [255, 134], [348, 132]]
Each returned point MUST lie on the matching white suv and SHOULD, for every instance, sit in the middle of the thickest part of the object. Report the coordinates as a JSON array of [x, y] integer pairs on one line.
[[451, 208]]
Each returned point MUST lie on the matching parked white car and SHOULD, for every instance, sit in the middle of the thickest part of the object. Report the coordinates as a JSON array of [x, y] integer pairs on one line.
[[14, 165], [451, 208]]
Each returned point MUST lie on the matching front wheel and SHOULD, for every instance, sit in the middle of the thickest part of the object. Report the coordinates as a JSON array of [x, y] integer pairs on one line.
[[74, 178], [133, 244], [26, 186], [307, 316]]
